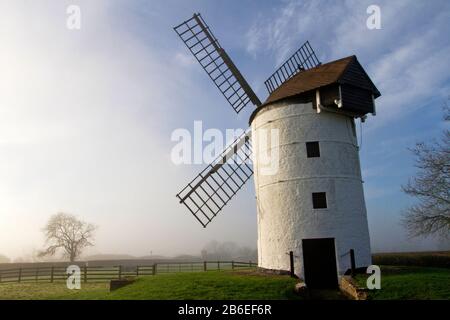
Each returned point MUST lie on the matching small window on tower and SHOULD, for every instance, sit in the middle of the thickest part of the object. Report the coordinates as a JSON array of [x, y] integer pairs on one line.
[[319, 200], [312, 149]]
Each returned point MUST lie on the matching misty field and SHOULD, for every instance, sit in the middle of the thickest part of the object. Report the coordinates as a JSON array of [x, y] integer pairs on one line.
[[177, 286]]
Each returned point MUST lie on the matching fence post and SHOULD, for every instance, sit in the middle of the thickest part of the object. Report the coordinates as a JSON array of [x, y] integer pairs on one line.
[[204, 266], [154, 269], [232, 265], [218, 265], [120, 272], [52, 274], [291, 260], [85, 273], [352, 261], [137, 271], [20, 274]]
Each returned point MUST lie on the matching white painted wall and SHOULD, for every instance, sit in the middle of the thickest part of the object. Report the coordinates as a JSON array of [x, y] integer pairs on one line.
[[284, 200]]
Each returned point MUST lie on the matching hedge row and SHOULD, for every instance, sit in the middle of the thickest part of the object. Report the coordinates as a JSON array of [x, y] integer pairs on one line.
[[426, 259]]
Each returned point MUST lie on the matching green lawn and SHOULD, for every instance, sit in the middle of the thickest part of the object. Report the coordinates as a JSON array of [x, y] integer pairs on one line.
[[203, 285], [396, 283], [52, 291], [403, 283]]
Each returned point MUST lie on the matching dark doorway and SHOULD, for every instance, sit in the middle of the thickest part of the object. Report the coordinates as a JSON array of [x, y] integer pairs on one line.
[[319, 263]]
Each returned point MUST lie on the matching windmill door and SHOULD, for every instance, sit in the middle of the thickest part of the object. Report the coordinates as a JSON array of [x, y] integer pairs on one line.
[[319, 263]]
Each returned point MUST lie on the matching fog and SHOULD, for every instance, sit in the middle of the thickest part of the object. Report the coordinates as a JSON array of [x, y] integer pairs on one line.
[[86, 118]]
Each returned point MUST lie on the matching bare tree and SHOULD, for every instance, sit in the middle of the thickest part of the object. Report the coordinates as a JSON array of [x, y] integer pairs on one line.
[[66, 233], [431, 185]]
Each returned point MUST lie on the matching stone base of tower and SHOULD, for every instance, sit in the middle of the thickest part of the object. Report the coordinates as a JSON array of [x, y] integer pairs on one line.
[[274, 271], [280, 264]]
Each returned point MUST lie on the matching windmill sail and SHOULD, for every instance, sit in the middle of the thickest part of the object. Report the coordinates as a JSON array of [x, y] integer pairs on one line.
[[207, 194], [205, 47], [303, 59]]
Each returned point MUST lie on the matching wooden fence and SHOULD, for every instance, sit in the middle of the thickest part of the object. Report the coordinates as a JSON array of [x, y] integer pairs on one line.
[[98, 273]]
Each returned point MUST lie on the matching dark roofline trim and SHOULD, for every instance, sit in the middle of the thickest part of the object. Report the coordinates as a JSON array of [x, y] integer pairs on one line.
[[375, 90], [304, 97], [338, 80], [313, 69]]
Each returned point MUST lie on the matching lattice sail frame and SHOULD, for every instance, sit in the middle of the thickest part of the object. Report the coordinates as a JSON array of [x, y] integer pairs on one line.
[[207, 194], [205, 47], [304, 58]]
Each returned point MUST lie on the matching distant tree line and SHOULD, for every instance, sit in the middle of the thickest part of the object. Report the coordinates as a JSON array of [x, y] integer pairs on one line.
[[4, 259], [223, 251]]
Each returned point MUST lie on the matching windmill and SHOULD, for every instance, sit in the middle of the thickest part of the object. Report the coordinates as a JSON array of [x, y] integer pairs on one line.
[[314, 202]]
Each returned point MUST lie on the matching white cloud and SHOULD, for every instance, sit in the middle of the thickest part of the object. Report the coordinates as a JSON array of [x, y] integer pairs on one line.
[[277, 32], [407, 59], [184, 59]]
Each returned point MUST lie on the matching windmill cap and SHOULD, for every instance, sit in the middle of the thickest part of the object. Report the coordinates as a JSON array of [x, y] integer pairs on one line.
[[335, 72]]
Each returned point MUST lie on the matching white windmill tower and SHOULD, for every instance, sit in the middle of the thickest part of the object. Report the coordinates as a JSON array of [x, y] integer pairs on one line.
[[313, 204]]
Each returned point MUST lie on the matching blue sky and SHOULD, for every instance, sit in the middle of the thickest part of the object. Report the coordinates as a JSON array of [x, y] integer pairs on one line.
[[87, 115]]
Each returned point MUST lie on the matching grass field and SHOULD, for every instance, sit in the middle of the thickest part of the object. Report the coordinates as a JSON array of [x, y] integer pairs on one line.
[[406, 283], [177, 286], [396, 283]]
